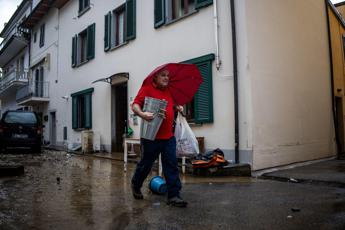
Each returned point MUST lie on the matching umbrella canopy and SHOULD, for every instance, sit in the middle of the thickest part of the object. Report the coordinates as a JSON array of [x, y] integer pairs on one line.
[[184, 80]]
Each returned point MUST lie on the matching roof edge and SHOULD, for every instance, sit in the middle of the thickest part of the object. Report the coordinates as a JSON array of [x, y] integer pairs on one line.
[[336, 12], [19, 8], [339, 4]]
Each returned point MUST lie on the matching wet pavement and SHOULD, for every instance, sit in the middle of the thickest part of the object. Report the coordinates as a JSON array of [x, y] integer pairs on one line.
[[63, 191], [330, 172]]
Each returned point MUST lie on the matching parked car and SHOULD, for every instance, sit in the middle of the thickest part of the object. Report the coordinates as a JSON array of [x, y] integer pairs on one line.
[[20, 129]]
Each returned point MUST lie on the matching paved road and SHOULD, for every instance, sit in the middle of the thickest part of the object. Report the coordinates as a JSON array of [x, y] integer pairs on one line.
[[62, 191]]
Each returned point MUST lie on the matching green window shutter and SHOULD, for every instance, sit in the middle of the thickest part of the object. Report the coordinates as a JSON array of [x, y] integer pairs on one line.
[[202, 3], [74, 51], [107, 31], [74, 112], [88, 111], [159, 13], [130, 19], [91, 41], [203, 100]]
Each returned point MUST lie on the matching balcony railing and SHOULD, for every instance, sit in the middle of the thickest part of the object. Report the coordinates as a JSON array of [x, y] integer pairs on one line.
[[13, 77], [17, 32], [36, 90]]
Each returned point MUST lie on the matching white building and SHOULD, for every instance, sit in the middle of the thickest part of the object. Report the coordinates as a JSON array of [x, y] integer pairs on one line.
[[14, 57], [284, 93]]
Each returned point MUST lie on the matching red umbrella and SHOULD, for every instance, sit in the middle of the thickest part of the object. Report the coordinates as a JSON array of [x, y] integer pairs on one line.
[[184, 80]]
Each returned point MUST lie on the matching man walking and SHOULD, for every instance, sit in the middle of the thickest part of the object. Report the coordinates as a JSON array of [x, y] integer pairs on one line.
[[164, 144]]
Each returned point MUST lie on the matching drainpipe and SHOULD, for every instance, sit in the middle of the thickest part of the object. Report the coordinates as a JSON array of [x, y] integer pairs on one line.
[[216, 26], [234, 58], [334, 110]]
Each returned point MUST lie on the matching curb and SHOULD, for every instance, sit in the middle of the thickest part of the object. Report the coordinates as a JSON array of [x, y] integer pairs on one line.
[[303, 181]]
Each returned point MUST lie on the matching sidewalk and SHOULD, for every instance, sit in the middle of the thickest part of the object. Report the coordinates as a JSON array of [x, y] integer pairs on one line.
[[331, 173]]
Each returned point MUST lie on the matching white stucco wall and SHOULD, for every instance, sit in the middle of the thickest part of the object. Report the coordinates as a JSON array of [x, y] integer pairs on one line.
[[287, 60], [39, 55], [186, 39]]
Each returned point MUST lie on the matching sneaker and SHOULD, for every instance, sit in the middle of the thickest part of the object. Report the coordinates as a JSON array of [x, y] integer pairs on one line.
[[137, 193], [177, 202]]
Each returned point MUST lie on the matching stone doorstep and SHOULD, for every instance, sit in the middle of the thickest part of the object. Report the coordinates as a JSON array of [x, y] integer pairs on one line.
[[242, 170], [11, 170]]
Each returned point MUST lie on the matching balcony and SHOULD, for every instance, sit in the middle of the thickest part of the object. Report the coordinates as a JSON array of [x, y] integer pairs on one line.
[[11, 81], [35, 93], [12, 45]]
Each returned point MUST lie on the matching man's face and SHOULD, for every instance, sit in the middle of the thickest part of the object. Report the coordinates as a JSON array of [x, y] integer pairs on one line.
[[162, 79]]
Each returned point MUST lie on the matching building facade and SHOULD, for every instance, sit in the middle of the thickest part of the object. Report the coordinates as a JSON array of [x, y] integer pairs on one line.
[[14, 57], [96, 55]]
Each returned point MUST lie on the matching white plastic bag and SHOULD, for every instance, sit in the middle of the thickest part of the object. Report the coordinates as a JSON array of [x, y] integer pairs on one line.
[[186, 143]]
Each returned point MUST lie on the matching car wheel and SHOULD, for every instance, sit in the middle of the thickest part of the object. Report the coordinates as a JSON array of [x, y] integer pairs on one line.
[[37, 149]]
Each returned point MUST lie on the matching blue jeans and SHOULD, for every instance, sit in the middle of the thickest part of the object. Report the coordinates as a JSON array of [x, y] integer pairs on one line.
[[149, 153]]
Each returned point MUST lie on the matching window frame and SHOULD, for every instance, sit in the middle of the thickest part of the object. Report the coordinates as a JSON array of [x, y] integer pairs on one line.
[[82, 47], [113, 31], [42, 35], [82, 109], [83, 43], [169, 10], [115, 27], [84, 5], [163, 11]]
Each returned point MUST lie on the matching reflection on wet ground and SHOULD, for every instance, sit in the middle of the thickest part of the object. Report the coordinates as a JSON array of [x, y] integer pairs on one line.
[[63, 191]]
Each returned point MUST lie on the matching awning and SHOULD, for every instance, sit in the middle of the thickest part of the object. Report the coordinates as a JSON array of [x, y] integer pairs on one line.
[[114, 79]]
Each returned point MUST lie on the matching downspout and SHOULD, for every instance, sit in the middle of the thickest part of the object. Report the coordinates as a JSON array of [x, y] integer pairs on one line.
[[216, 26], [332, 81], [234, 58]]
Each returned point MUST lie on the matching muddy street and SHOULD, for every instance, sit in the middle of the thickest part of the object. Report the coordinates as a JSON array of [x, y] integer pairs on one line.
[[63, 191]]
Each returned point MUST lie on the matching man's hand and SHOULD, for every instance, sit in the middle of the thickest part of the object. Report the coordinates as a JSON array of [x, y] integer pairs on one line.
[[144, 115], [179, 108], [147, 116]]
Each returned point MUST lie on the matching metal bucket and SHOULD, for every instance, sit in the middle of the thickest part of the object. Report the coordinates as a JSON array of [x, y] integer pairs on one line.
[[149, 129], [158, 185]]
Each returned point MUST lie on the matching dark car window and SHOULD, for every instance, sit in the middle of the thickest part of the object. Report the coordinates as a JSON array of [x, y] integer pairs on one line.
[[20, 117]]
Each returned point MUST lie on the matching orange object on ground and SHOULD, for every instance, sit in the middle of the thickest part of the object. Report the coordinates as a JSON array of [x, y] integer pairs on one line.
[[216, 160]]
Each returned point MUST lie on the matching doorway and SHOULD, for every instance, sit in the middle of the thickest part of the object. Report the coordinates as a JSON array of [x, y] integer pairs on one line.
[[340, 123], [119, 116], [39, 74], [52, 133]]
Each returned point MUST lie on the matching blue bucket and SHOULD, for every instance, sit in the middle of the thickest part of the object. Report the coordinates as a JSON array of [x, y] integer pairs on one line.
[[158, 185]]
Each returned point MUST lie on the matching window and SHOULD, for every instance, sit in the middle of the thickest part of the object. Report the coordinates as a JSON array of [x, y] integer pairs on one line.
[[166, 11], [120, 25], [200, 109], [20, 66], [84, 5], [82, 41], [42, 35], [83, 46], [179, 8], [82, 109], [20, 118], [38, 81]]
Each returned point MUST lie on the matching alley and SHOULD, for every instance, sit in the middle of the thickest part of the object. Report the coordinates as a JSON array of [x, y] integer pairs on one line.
[[64, 191]]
